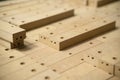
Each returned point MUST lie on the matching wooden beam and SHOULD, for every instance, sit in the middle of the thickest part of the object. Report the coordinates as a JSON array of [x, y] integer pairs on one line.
[[12, 34], [43, 19], [78, 34], [117, 69], [99, 3]]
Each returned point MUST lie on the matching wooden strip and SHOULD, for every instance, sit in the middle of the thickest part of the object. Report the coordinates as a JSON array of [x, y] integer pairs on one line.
[[15, 65], [114, 78], [25, 72], [96, 75], [67, 63], [46, 75], [14, 35], [78, 71], [99, 3], [104, 56], [79, 34], [9, 56], [117, 69], [40, 20]]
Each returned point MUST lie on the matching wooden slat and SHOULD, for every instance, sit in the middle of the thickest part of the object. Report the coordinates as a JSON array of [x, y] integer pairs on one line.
[[79, 34], [40, 20], [13, 35], [98, 3], [117, 69]]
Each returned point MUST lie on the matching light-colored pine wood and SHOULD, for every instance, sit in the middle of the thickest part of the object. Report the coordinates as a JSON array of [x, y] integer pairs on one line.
[[78, 34], [13, 35], [95, 58]]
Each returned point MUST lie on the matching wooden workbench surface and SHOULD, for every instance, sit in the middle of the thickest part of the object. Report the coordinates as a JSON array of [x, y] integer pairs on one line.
[[97, 58]]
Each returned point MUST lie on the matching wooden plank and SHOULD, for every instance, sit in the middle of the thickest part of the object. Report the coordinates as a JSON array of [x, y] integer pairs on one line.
[[96, 75], [79, 34], [15, 65], [67, 63], [40, 20], [14, 35], [25, 72], [99, 3], [28, 11], [117, 69], [104, 56], [78, 71], [46, 75], [114, 78]]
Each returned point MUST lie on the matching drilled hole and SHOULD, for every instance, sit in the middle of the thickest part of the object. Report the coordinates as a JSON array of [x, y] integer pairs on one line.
[[4, 14], [51, 33], [42, 64], [104, 21], [104, 37], [93, 17], [54, 42], [44, 37], [114, 58], [70, 53], [18, 43], [12, 18], [88, 56], [6, 49], [61, 37], [47, 77], [47, 27], [102, 62], [9, 22], [118, 69], [11, 57], [99, 51], [54, 70], [107, 64], [60, 23], [33, 70], [20, 37], [110, 73], [22, 63], [82, 59], [91, 42], [92, 57], [36, 40], [16, 38]]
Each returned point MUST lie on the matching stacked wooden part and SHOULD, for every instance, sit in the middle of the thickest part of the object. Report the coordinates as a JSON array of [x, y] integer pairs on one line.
[[11, 36], [98, 3], [74, 34]]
